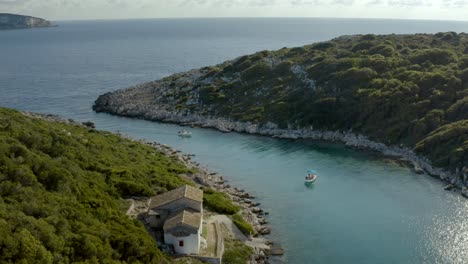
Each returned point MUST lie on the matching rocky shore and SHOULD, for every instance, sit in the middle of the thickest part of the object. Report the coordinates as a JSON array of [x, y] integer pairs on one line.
[[56, 118], [250, 210], [150, 101]]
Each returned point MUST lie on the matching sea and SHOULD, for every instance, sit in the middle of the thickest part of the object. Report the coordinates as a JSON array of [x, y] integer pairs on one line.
[[361, 209]]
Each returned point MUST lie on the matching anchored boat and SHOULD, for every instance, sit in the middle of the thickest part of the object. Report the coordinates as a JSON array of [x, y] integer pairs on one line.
[[184, 133], [311, 177]]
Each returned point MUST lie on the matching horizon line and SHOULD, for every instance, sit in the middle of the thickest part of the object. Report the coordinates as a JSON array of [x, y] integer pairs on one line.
[[265, 17]]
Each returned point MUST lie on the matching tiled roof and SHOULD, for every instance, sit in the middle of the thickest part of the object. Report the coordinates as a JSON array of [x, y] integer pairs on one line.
[[185, 218], [181, 192]]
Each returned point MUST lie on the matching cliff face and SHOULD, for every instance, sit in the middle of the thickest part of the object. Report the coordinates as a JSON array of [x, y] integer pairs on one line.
[[409, 91], [11, 21]]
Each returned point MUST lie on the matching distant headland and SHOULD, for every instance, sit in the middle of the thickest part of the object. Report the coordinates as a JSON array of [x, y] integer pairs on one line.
[[12, 21]]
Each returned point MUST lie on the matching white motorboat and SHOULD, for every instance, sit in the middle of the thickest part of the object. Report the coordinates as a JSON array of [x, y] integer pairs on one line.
[[311, 177], [184, 133]]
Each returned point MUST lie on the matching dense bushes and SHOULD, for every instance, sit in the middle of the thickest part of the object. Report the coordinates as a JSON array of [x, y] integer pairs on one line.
[[256, 71], [397, 89], [458, 110], [219, 202], [61, 189], [454, 138], [434, 55]]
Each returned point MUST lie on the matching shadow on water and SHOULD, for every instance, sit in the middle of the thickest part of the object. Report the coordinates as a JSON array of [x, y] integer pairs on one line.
[[309, 185], [288, 146]]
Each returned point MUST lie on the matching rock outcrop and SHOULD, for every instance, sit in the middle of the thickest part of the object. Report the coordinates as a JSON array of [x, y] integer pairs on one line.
[[12, 21], [260, 245], [142, 102], [260, 94]]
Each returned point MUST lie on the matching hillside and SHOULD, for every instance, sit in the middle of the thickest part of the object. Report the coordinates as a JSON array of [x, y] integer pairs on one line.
[[12, 21], [62, 188], [400, 90]]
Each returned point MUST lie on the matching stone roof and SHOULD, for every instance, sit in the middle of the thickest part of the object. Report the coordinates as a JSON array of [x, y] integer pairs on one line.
[[185, 218], [176, 194]]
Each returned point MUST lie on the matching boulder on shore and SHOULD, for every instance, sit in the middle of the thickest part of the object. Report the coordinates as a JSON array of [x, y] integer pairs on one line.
[[417, 168], [449, 187], [276, 251], [464, 192]]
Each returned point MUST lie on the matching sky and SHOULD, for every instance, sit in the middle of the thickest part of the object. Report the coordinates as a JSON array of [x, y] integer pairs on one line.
[[124, 9]]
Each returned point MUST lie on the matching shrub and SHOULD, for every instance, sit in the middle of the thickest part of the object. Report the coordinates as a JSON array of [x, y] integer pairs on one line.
[[384, 50], [128, 188], [236, 252], [256, 71], [63, 206], [244, 226], [435, 56], [459, 110], [219, 202], [365, 45], [323, 46]]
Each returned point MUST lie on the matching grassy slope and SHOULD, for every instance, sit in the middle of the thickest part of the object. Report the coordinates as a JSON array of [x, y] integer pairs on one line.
[[61, 190], [397, 89]]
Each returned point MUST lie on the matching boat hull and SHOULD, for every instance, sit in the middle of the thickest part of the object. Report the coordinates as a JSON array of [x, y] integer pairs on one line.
[[311, 180]]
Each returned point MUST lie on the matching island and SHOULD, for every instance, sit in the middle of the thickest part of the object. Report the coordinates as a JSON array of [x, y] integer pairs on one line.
[[405, 96], [70, 193], [13, 21]]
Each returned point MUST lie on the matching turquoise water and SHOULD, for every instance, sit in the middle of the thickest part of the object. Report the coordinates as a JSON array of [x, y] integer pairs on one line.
[[360, 210]]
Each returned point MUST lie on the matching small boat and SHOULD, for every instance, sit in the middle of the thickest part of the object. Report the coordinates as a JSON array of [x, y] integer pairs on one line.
[[184, 133], [311, 176]]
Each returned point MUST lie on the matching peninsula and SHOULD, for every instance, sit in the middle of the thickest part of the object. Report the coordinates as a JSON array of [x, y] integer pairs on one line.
[[402, 95], [71, 193], [13, 21]]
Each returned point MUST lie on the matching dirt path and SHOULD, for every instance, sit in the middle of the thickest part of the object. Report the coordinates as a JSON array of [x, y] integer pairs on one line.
[[232, 231], [211, 240], [229, 226]]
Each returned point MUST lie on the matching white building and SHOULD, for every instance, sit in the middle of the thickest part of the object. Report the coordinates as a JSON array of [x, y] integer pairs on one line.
[[179, 213]]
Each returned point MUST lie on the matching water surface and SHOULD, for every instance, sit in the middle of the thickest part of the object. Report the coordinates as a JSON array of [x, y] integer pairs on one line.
[[361, 209]]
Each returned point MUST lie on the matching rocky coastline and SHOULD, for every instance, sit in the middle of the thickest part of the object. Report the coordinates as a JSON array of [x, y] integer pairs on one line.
[[136, 102], [251, 210]]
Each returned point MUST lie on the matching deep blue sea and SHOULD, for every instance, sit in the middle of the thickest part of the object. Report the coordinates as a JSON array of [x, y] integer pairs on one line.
[[361, 209]]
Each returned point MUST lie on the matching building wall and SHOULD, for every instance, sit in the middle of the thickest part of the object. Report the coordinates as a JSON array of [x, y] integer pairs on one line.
[[155, 222], [191, 243], [182, 203]]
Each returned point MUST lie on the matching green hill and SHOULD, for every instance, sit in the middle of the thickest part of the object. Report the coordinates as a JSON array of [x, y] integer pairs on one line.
[[62, 188], [401, 90]]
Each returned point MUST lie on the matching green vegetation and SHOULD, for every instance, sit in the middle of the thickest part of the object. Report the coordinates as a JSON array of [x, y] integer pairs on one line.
[[397, 89], [236, 252], [243, 225], [219, 202], [61, 190], [205, 231]]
